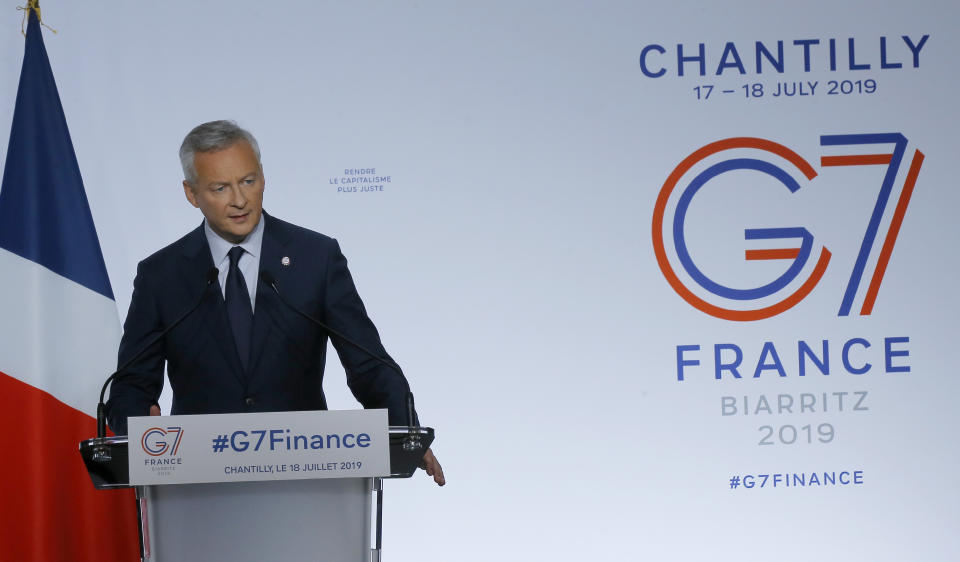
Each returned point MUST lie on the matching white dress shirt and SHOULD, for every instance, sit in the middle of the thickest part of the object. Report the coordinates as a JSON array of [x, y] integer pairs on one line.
[[249, 261]]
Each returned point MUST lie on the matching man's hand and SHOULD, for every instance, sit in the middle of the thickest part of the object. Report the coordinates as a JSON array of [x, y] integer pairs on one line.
[[154, 410], [432, 466]]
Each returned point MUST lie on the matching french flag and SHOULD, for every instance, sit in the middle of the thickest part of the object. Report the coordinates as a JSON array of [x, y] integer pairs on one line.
[[59, 331]]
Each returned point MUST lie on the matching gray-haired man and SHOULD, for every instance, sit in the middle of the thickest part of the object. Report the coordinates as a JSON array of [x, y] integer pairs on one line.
[[248, 353]]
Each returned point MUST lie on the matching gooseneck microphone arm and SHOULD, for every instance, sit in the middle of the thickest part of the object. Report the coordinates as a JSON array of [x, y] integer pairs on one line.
[[211, 278], [267, 278]]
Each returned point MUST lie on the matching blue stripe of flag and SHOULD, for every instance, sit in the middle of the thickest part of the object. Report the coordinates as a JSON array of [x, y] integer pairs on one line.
[[44, 214]]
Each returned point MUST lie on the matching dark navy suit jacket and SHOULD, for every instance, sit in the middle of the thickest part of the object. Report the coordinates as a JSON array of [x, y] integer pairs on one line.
[[287, 353]]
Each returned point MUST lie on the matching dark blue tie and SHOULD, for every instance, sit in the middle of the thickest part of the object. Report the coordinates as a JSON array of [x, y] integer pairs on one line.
[[239, 309]]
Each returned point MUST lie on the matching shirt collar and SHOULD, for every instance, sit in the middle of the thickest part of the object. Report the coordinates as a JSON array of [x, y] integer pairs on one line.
[[219, 248]]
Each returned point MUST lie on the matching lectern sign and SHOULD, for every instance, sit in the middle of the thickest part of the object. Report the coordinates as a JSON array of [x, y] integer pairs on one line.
[[263, 446]]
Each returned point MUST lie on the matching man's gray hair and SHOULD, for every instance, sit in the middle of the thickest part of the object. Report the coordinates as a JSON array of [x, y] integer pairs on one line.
[[211, 137]]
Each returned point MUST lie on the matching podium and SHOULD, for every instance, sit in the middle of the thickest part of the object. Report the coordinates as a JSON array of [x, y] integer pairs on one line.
[[282, 518]]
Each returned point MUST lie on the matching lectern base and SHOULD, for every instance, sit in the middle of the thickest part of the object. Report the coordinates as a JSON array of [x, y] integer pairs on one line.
[[328, 520]]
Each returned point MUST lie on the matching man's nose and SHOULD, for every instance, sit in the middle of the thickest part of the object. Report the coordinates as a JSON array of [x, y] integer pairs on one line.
[[237, 199]]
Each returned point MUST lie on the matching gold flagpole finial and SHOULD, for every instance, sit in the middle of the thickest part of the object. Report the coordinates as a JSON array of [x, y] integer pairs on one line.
[[33, 5]]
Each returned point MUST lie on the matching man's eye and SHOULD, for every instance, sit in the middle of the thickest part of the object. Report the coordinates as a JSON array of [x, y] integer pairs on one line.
[[249, 181], [219, 188]]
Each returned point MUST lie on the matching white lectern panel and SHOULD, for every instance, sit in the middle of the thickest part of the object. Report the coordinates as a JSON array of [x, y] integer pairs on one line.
[[326, 520]]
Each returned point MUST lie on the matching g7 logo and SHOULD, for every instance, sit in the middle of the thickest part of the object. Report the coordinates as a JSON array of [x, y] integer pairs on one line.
[[798, 253], [155, 444]]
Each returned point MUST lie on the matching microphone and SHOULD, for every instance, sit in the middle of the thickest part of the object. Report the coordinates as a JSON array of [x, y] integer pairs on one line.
[[210, 277], [413, 442]]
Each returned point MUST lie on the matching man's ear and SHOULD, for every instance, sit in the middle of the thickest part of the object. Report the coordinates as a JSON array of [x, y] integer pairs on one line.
[[190, 193]]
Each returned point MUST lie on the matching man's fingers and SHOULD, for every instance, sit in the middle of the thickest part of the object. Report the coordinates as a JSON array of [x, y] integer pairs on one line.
[[431, 466]]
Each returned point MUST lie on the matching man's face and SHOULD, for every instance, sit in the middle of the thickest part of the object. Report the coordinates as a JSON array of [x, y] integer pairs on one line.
[[228, 190]]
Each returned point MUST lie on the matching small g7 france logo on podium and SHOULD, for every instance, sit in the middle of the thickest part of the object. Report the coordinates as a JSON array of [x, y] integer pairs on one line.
[[155, 441]]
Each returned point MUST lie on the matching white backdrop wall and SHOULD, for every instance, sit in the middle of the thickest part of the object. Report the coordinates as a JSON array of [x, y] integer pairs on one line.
[[509, 263]]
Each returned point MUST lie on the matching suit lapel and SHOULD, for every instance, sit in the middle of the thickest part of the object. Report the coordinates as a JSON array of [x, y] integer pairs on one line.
[[195, 265], [271, 252]]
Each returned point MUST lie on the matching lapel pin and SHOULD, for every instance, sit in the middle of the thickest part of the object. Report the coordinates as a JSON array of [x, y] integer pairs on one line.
[[285, 261]]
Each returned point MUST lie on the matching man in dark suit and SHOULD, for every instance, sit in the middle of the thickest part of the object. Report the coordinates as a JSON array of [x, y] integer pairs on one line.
[[243, 349]]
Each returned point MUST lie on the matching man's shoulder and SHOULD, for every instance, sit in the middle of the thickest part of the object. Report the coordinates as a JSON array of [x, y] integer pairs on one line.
[[283, 229], [189, 244]]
